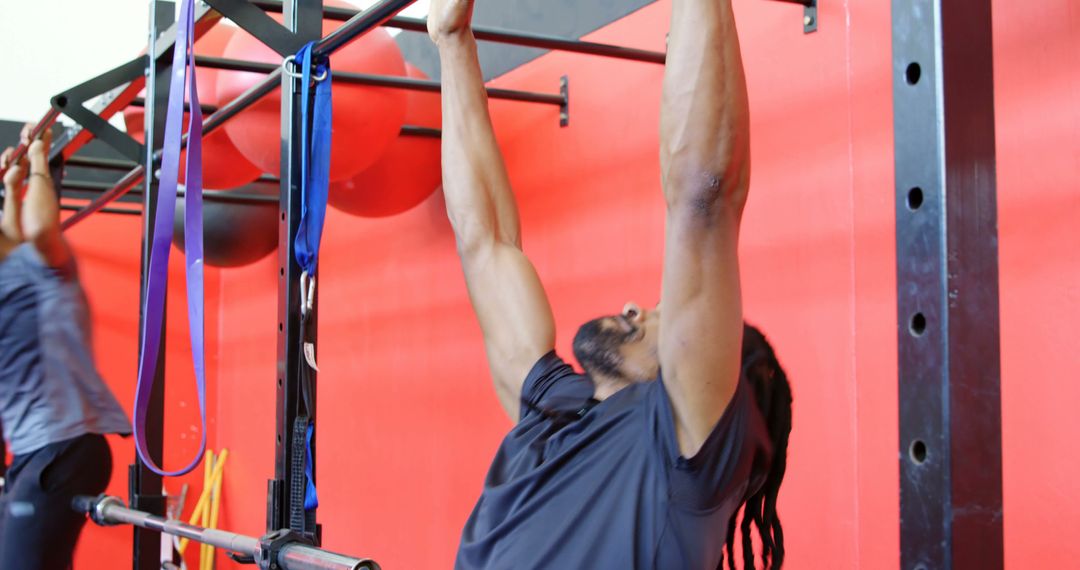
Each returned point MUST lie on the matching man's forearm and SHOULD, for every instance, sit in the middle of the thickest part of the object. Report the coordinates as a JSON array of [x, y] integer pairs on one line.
[[40, 210], [477, 188], [704, 118], [10, 225]]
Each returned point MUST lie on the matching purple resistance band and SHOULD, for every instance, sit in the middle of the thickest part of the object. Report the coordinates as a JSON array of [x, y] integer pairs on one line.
[[157, 276]]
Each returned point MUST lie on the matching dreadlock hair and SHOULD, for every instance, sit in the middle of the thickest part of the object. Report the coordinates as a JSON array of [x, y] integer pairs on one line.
[[772, 392]]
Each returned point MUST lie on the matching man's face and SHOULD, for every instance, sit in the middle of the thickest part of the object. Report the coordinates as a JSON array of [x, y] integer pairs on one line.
[[623, 346]]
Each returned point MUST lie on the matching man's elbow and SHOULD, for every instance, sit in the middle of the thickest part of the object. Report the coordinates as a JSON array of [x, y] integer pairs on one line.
[[473, 238], [707, 195], [476, 236], [40, 231]]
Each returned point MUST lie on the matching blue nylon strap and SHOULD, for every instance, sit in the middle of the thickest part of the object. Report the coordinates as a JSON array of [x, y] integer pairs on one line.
[[314, 160], [183, 68], [311, 497], [314, 187]]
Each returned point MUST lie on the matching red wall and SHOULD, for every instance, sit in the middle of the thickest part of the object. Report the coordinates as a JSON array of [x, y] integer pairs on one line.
[[1037, 72], [408, 420]]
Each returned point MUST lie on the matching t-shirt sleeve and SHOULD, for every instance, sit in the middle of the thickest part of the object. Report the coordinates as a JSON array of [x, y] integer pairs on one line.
[[731, 463], [29, 260], [552, 384]]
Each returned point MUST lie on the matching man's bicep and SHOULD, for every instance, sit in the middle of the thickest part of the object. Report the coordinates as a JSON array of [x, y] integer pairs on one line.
[[700, 321], [514, 313]]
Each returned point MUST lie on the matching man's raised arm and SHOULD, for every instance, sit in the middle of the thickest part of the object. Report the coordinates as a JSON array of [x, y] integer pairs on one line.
[[705, 162], [504, 288]]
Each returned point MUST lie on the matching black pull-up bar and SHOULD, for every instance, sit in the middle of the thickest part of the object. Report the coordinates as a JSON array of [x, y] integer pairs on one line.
[[208, 195], [406, 131], [393, 81], [501, 36], [44, 124], [122, 211]]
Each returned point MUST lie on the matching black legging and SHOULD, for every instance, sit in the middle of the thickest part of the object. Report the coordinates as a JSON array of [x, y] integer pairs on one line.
[[38, 528]]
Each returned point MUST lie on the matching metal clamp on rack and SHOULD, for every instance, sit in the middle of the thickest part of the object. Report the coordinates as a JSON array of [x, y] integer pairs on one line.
[[810, 14]]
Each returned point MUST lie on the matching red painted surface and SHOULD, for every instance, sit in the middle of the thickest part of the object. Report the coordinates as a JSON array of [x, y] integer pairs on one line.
[[408, 420], [1037, 73]]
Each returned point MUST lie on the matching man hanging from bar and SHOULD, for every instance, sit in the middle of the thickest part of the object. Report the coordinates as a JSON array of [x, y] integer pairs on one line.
[[683, 414], [54, 406]]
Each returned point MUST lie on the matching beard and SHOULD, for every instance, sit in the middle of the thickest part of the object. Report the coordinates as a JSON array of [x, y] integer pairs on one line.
[[596, 348]]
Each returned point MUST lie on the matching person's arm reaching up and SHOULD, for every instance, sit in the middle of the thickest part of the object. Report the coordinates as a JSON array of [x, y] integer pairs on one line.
[[705, 163], [40, 207], [504, 288], [14, 176]]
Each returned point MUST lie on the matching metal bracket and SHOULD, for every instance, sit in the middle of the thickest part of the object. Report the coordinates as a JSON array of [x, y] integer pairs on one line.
[[810, 14], [564, 109], [73, 138], [71, 103], [257, 23], [810, 17], [270, 547]]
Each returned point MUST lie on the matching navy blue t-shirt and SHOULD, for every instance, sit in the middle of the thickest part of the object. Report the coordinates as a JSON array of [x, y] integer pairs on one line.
[[581, 486]]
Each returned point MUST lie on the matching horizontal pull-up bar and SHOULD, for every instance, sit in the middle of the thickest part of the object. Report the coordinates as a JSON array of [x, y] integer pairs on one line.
[[406, 130], [99, 163], [44, 124], [275, 550], [209, 195], [123, 186], [207, 109], [123, 211], [392, 81], [500, 36]]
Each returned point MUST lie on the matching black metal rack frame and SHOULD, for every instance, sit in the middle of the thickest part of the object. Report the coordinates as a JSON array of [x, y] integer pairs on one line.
[[946, 236], [120, 86]]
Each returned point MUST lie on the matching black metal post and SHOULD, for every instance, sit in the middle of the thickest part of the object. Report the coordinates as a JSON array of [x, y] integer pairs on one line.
[[145, 491], [947, 286], [499, 36], [304, 18]]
